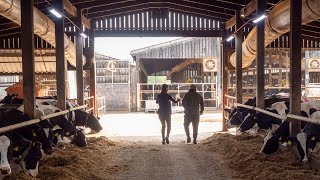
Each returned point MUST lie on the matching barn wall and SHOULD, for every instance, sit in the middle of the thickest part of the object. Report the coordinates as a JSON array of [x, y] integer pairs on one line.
[[117, 96]]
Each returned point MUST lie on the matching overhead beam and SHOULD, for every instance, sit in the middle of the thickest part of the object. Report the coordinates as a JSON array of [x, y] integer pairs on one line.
[[70, 9], [28, 67], [157, 33], [246, 11], [183, 65], [295, 64], [61, 64], [260, 58]]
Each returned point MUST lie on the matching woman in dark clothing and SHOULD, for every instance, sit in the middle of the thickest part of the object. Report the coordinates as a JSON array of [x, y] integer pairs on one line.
[[163, 99]]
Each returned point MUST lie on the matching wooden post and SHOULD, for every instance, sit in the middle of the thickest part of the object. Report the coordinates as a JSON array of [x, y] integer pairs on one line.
[[61, 64], [295, 64], [224, 63], [28, 67], [238, 47], [93, 81], [79, 59], [261, 9]]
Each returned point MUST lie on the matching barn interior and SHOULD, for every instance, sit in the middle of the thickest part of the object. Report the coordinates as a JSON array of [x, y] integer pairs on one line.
[[238, 53]]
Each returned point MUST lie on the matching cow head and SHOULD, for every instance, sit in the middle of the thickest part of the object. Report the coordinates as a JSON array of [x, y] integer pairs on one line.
[[83, 118], [58, 137], [234, 121], [45, 137], [248, 123], [5, 151], [79, 139], [30, 162], [270, 144]]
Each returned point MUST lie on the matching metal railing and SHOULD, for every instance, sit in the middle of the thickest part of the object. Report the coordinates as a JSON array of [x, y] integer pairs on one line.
[[37, 120], [101, 106]]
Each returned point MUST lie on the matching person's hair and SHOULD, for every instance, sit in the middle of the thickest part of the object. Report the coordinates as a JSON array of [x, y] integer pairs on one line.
[[164, 87], [192, 86]]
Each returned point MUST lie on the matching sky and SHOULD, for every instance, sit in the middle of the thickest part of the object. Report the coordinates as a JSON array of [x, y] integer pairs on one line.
[[120, 47]]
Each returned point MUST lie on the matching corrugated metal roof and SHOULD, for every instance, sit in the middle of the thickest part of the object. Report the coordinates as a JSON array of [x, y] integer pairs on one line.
[[11, 61], [43, 64]]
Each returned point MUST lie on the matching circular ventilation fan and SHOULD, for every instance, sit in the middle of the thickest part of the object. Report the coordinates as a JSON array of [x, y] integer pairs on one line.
[[314, 64], [210, 64]]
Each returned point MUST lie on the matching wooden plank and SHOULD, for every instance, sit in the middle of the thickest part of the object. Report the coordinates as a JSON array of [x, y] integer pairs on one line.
[[70, 9], [103, 23], [261, 8], [295, 64], [126, 22], [28, 66], [61, 63], [180, 21], [238, 46], [247, 10], [145, 21], [79, 60], [224, 74], [86, 22]]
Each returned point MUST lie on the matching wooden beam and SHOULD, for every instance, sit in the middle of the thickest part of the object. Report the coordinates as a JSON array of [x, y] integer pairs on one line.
[[183, 65], [295, 64], [28, 66], [261, 8], [70, 9], [93, 81], [85, 22], [238, 46], [61, 64], [246, 11], [79, 60], [158, 33], [224, 71]]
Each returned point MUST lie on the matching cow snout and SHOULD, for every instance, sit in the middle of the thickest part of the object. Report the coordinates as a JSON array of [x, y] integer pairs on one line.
[[5, 171], [61, 145]]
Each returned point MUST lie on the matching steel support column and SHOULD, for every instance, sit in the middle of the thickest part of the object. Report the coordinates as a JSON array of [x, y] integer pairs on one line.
[[261, 9], [28, 66], [79, 60], [295, 64], [224, 63], [61, 63], [238, 49], [93, 81]]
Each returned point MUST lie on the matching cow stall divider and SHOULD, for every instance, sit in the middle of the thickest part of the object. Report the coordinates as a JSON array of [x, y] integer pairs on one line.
[[291, 116], [37, 120]]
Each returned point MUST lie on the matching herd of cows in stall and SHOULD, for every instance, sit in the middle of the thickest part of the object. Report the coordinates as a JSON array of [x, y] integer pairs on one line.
[[23, 148], [248, 120]]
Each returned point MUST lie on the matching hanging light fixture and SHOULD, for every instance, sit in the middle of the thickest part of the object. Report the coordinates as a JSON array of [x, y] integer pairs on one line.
[[263, 16], [55, 12]]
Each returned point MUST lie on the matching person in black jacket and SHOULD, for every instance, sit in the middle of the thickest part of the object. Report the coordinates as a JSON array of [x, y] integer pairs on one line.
[[164, 111], [193, 108]]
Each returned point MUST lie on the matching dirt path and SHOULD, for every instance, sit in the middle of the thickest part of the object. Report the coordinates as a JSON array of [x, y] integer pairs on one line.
[[149, 160]]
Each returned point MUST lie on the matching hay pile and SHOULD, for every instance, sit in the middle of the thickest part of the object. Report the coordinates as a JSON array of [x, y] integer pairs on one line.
[[241, 155], [92, 162]]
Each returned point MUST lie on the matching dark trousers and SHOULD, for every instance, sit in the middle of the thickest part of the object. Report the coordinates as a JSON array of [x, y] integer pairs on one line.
[[194, 119]]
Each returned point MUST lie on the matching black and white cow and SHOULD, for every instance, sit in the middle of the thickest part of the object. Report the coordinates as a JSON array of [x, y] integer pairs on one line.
[[31, 132], [76, 135]]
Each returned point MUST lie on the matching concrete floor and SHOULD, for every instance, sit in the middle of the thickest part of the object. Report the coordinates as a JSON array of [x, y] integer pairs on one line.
[[146, 126]]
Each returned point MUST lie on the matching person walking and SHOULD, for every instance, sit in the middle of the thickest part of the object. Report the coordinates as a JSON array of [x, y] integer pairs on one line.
[[164, 111], [193, 108]]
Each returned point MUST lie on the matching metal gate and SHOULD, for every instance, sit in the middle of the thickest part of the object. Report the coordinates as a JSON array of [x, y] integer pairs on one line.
[[147, 95]]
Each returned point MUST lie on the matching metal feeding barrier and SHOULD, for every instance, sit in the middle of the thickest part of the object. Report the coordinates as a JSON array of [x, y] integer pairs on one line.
[[37, 120], [291, 116]]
